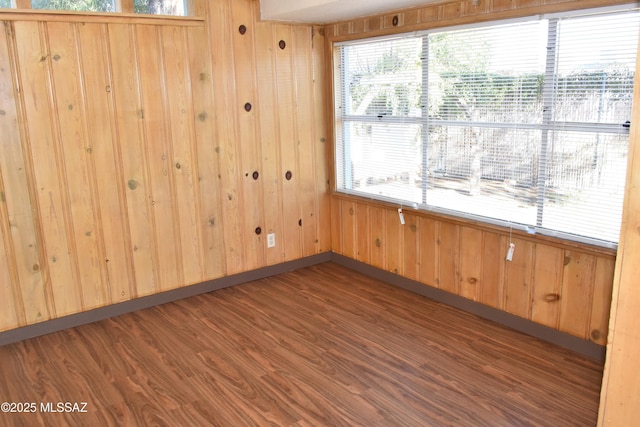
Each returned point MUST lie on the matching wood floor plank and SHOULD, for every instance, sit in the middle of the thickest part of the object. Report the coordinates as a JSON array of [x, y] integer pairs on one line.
[[320, 346]]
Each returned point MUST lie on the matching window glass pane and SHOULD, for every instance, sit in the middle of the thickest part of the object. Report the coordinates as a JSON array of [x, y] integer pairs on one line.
[[484, 171], [385, 159], [75, 5], [585, 183], [160, 7], [383, 79], [595, 68], [492, 74], [5, 4]]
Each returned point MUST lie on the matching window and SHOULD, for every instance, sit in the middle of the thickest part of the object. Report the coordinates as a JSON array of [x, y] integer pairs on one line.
[[522, 124], [153, 7], [76, 5], [160, 7]]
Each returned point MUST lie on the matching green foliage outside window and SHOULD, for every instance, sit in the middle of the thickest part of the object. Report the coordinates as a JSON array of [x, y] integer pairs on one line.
[[159, 7], [75, 5]]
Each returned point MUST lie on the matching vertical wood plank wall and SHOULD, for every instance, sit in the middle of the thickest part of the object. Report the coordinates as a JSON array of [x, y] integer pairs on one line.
[[563, 286], [620, 396], [127, 156]]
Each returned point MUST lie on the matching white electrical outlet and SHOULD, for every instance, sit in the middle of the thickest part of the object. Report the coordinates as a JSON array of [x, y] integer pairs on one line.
[[271, 240]]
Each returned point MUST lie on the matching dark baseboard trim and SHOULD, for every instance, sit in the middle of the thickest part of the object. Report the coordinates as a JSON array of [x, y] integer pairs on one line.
[[584, 347], [562, 339], [79, 319]]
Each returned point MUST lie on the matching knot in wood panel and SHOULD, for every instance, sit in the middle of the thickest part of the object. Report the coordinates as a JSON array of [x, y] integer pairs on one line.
[[551, 297]]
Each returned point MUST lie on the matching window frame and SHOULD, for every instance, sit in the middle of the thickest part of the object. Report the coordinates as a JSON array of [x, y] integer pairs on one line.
[[340, 119]]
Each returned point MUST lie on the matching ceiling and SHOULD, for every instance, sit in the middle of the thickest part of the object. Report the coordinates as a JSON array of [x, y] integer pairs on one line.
[[326, 11]]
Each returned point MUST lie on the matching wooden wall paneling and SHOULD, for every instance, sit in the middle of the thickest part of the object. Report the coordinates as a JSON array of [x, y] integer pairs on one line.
[[210, 218], [620, 395], [429, 13], [429, 253], [130, 143], [577, 293], [378, 219], [601, 302], [104, 159], [494, 250], [11, 170], [411, 247], [500, 5], [528, 3], [61, 278], [349, 221], [320, 137], [76, 164], [227, 108], [358, 26], [270, 176], [156, 127], [393, 241], [20, 250], [336, 225], [470, 271], [374, 23], [448, 257], [547, 285], [288, 116], [183, 165], [9, 304], [363, 233], [474, 7], [302, 46], [410, 17], [518, 278], [249, 155]]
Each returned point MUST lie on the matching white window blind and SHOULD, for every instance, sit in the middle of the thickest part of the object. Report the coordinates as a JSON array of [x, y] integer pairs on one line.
[[521, 124]]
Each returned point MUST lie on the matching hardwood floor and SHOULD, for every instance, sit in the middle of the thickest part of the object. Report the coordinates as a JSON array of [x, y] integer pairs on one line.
[[321, 346]]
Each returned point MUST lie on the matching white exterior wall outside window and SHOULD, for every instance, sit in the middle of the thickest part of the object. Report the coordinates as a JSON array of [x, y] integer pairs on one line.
[[522, 124]]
